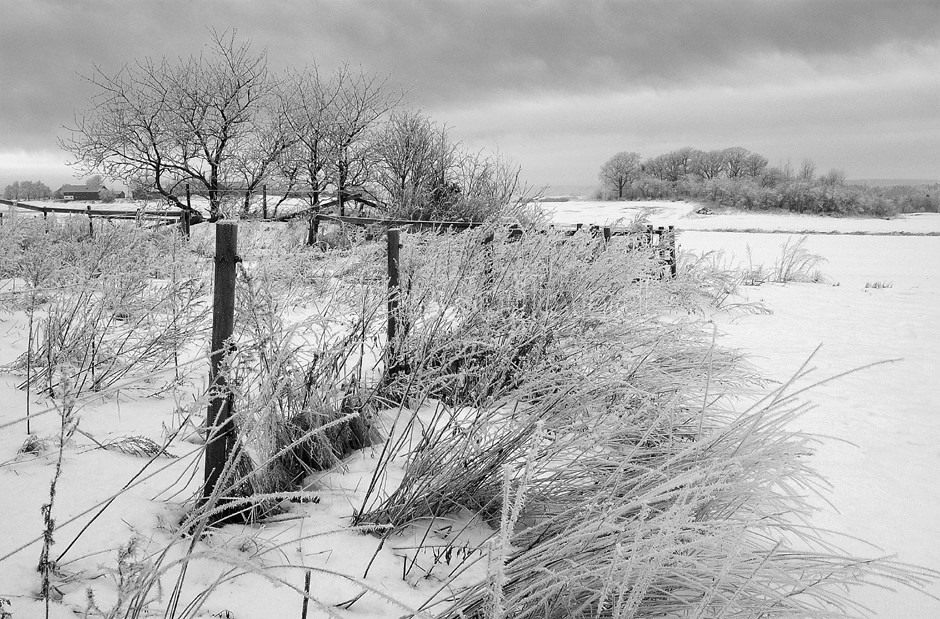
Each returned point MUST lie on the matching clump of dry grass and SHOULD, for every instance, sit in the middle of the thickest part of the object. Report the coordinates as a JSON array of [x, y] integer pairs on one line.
[[120, 304], [605, 455], [140, 446], [302, 370], [796, 263], [718, 279]]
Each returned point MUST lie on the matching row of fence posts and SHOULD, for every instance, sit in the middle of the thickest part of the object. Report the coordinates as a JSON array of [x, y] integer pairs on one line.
[[666, 252], [184, 217], [219, 413], [221, 430], [218, 416]]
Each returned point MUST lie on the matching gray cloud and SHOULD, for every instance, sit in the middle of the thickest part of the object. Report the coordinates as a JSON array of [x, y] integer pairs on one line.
[[461, 48], [499, 56]]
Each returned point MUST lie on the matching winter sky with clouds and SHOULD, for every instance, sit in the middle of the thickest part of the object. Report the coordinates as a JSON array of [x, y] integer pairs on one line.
[[558, 85]]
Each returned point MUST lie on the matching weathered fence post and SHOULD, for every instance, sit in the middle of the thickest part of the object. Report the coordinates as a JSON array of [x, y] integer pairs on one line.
[[221, 432], [91, 228], [303, 610], [673, 265], [489, 258], [394, 286], [661, 250], [264, 201], [187, 213], [606, 235], [313, 229]]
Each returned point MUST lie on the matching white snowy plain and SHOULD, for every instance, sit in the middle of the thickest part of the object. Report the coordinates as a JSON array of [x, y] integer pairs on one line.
[[881, 454], [882, 425]]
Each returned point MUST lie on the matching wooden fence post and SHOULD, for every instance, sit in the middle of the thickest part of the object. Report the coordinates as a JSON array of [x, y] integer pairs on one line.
[[660, 249], [673, 264], [186, 213], [489, 259], [313, 229], [303, 609], [264, 201], [606, 235], [91, 228], [221, 432], [394, 286]]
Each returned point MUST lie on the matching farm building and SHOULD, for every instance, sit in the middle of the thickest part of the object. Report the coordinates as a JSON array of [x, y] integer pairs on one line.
[[84, 192]]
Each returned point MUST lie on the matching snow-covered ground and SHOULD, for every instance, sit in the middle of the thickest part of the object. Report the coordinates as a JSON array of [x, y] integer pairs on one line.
[[881, 456], [883, 423], [682, 215]]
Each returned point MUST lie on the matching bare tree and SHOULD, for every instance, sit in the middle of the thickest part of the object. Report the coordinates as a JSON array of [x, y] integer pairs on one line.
[[708, 164], [735, 159], [93, 182], [484, 184], [671, 166], [754, 165], [26, 190], [679, 163], [807, 171], [361, 99], [833, 178], [194, 121], [415, 160], [309, 104], [263, 148], [618, 171]]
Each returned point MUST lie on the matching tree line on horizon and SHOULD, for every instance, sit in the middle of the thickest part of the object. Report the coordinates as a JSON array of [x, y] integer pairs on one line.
[[38, 190], [27, 190], [225, 124], [736, 177]]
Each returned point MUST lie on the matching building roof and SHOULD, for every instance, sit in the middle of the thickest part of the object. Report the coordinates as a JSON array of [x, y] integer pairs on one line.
[[79, 188]]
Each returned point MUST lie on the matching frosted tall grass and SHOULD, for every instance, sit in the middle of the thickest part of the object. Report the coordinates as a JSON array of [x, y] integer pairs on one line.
[[571, 376], [556, 389]]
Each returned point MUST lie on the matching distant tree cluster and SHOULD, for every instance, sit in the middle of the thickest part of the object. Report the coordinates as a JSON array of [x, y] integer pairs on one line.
[[225, 124], [738, 178], [26, 190]]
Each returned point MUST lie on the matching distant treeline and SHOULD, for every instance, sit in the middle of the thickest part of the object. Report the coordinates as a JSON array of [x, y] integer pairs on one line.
[[26, 190], [738, 178]]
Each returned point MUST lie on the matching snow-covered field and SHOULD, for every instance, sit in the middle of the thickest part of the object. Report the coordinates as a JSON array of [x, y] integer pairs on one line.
[[682, 215], [882, 424]]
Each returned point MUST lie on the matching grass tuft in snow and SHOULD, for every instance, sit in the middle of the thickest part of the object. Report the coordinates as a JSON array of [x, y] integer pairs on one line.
[[797, 264]]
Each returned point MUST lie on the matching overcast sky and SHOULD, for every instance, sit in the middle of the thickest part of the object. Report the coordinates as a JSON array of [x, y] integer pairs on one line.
[[558, 85]]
